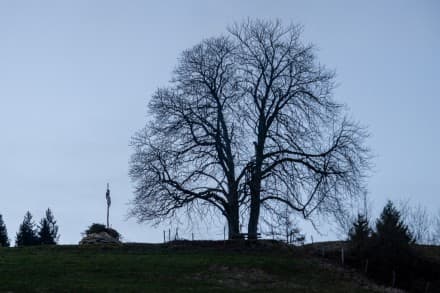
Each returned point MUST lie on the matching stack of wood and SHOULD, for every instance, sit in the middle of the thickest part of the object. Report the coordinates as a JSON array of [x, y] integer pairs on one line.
[[99, 238]]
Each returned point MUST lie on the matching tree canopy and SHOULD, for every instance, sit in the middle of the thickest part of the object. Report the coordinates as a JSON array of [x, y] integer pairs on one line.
[[248, 123]]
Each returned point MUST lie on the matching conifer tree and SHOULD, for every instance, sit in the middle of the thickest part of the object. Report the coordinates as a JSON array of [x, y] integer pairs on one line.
[[391, 230], [359, 236], [27, 234], [4, 240], [360, 231], [391, 250], [48, 229]]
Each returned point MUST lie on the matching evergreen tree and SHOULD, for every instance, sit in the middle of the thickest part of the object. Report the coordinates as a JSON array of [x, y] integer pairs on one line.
[[27, 234], [391, 231], [359, 236], [4, 240], [360, 231], [391, 250], [48, 229]]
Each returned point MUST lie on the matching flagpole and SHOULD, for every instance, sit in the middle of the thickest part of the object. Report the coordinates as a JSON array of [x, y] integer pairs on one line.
[[107, 194]]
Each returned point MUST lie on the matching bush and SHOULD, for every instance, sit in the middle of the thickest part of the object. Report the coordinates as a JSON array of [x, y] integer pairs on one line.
[[98, 228]]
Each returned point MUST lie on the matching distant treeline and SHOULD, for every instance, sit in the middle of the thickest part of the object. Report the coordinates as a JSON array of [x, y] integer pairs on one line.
[[29, 233], [387, 252]]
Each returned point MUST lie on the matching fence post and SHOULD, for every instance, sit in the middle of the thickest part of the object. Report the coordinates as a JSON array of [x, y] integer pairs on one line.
[[169, 234], [164, 238], [192, 236], [394, 279], [366, 266], [342, 255], [427, 287]]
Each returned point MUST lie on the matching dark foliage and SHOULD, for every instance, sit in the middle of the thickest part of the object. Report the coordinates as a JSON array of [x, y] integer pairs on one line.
[[391, 230], [98, 228], [48, 229], [27, 234], [359, 237], [391, 253], [4, 240]]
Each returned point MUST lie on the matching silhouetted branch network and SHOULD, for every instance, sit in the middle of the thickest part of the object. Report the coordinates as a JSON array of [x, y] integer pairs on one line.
[[247, 122]]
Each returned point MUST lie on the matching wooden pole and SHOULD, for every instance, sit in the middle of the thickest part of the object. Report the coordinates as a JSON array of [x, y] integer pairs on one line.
[[224, 236], [164, 237], [107, 196], [427, 287], [394, 279], [342, 255]]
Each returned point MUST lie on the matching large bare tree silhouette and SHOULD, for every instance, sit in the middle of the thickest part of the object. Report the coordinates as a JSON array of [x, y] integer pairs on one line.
[[247, 123]]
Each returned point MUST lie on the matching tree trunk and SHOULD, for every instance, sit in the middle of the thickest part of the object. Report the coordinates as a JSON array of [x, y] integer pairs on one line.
[[234, 219], [255, 184], [233, 229], [254, 216]]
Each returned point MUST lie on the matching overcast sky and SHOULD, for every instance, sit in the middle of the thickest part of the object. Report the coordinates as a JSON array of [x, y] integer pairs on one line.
[[76, 77]]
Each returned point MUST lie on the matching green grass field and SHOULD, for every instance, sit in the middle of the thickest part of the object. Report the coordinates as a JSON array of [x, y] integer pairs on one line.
[[154, 268]]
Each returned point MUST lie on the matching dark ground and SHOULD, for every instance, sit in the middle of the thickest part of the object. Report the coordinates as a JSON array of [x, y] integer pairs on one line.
[[198, 266]]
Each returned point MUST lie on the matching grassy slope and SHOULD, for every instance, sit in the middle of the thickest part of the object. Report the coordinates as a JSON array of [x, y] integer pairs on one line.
[[159, 268]]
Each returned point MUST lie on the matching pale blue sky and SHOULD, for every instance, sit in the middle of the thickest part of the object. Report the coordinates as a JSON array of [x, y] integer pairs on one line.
[[76, 76]]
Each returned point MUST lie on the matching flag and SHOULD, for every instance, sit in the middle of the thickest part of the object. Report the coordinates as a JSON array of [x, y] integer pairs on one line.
[[107, 196]]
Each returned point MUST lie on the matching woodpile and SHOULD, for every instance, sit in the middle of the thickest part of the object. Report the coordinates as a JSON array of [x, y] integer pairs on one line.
[[99, 238]]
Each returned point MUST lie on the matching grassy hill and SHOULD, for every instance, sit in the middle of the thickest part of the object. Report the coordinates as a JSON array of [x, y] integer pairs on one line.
[[201, 267]]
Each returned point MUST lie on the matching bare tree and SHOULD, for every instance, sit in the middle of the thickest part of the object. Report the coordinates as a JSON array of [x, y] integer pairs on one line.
[[419, 224], [360, 206], [418, 220], [186, 156], [248, 122], [281, 225], [435, 237], [306, 154]]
